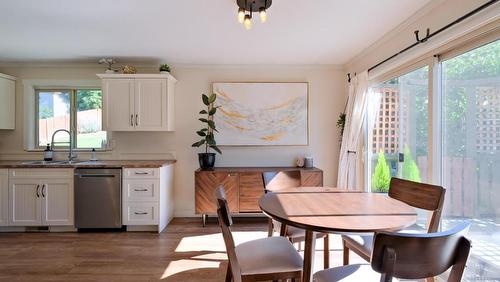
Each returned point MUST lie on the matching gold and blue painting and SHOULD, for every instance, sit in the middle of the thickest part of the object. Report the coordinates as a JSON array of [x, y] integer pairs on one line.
[[262, 114]]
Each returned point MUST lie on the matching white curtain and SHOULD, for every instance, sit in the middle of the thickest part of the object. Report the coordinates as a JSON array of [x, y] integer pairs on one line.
[[361, 101]]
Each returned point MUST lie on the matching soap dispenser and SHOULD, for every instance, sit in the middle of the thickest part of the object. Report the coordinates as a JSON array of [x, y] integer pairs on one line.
[[93, 156], [47, 154]]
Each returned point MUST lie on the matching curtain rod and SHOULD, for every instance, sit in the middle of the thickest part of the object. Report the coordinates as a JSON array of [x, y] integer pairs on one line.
[[429, 35]]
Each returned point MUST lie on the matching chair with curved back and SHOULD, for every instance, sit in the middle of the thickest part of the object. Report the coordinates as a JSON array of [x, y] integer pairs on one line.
[[419, 195], [280, 180], [408, 256], [263, 259]]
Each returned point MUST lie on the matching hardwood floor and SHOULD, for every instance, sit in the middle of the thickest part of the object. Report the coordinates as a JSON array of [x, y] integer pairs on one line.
[[185, 252]]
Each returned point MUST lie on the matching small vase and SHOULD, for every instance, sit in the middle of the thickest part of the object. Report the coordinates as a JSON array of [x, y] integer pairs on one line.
[[207, 160], [164, 72], [110, 71]]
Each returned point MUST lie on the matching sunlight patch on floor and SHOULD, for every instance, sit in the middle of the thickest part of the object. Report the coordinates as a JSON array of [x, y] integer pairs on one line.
[[179, 266]]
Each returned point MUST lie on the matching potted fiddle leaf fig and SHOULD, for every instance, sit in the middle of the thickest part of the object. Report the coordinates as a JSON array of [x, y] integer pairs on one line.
[[207, 159]]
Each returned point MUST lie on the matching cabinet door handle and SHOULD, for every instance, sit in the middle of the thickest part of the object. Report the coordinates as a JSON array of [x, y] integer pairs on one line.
[[38, 191], [136, 120], [131, 120], [140, 213], [141, 173], [43, 190], [141, 190]]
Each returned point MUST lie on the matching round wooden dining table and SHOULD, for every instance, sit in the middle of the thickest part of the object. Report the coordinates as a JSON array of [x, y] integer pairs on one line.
[[332, 210]]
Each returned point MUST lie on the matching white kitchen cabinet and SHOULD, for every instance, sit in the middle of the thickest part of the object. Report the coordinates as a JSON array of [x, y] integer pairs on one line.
[[4, 197], [147, 198], [118, 100], [41, 197], [57, 202], [25, 202], [138, 102], [8, 101]]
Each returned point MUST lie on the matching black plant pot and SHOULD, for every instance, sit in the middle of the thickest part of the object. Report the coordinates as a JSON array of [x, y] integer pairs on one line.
[[207, 160]]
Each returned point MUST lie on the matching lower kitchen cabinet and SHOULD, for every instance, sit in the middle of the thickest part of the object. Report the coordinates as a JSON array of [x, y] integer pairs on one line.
[[4, 197], [41, 197], [147, 198]]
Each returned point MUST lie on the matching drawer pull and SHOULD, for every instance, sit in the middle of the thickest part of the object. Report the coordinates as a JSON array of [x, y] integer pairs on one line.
[[141, 173], [140, 190], [140, 213]]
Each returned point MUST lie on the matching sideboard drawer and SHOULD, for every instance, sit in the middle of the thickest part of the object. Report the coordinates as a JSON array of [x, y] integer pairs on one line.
[[141, 190], [142, 213]]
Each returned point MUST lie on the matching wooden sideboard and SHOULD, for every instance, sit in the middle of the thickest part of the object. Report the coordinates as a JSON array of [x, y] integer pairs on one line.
[[243, 185]]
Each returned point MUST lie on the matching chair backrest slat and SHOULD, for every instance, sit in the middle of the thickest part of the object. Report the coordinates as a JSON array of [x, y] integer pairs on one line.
[[419, 256], [278, 180], [225, 222], [420, 195]]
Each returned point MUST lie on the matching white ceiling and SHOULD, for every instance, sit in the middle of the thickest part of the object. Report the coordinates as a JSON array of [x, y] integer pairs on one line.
[[194, 31]]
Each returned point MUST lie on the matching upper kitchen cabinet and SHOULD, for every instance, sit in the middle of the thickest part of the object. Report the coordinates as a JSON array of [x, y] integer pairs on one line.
[[138, 102], [8, 104]]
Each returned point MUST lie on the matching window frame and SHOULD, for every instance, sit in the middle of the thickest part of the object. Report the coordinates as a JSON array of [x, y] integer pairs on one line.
[[72, 111]]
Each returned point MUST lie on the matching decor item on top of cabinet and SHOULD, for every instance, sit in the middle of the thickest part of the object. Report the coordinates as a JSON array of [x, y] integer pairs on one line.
[[164, 68], [128, 69], [207, 160], [109, 62], [260, 114]]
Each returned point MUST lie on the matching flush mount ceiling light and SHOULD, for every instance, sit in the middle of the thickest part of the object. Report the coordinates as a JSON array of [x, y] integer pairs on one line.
[[247, 7]]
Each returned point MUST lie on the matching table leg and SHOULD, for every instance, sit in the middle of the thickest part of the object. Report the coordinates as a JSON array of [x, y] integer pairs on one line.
[[309, 248], [283, 228]]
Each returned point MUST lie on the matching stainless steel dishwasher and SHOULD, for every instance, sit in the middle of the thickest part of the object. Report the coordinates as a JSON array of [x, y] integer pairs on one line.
[[98, 198]]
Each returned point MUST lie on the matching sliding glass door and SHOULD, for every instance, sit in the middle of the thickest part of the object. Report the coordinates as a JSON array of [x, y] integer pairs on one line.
[[471, 151], [399, 140]]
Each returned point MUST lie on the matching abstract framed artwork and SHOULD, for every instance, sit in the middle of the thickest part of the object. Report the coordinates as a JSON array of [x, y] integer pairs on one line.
[[262, 113]]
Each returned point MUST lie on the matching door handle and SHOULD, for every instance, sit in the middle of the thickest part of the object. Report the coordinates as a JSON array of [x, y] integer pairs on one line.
[[38, 190], [141, 173], [136, 120], [140, 213], [131, 120], [43, 190], [140, 190]]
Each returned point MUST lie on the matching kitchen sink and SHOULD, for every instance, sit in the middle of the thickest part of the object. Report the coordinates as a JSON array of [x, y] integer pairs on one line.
[[52, 162], [42, 162]]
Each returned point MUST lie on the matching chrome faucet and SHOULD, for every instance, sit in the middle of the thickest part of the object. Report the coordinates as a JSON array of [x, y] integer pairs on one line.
[[70, 156]]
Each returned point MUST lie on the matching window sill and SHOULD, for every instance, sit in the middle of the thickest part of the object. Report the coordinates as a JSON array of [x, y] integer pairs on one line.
[[74, 150]]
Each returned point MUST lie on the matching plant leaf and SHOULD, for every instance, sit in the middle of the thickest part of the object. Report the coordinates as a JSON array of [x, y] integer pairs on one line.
[[204, 129], [211, 124], [201, 133], [212, 111], [205, 99], [215, 148], [203, 120], [212, 98], [199, 143], [203, 112]]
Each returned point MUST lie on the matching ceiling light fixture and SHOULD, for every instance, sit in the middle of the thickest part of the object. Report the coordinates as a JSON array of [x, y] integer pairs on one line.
[[247, 7]]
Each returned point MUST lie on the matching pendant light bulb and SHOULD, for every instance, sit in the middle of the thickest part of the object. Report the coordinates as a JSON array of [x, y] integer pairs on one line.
[[263, 15], [241, 15], [247, 22]]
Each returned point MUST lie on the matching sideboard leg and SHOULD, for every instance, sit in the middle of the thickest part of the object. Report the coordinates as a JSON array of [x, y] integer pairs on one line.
[[203, 219]]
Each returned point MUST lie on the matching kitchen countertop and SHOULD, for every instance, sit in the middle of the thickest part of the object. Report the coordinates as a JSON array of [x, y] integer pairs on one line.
[[90, 164]]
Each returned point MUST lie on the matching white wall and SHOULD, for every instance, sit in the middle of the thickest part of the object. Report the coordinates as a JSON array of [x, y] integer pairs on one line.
[[327, 97]]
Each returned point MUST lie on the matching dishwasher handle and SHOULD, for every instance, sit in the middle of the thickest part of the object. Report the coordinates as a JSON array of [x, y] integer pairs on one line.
[[96, 175]]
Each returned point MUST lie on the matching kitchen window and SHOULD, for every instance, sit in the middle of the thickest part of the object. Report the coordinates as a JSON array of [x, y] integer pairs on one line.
[[77, 110]]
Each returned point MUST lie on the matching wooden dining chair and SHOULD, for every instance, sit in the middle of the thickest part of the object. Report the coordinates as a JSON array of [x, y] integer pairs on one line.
[[408, 256], [419, 195], [271, 258], [279, 180]]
